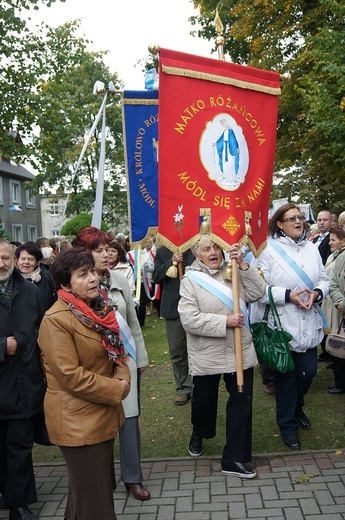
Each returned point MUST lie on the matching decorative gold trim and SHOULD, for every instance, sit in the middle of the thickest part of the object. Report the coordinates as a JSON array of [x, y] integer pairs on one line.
[[152, 230], [180, 249], [176, 71], [140, 101], [245, 240]]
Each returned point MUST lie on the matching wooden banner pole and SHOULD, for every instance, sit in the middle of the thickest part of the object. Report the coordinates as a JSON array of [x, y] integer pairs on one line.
[[237, 331]]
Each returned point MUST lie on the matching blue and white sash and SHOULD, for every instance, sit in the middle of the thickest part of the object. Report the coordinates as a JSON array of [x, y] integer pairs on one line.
[[222, 292], [299, 276], [126, 336]]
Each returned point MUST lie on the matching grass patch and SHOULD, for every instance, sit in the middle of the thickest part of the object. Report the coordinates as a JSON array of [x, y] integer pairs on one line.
[[166, 428]]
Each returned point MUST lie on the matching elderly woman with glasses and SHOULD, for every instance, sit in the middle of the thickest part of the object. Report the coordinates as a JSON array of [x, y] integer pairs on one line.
[[293, 267]]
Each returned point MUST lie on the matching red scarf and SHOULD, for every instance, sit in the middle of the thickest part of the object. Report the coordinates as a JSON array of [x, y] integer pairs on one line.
[[100, 318]]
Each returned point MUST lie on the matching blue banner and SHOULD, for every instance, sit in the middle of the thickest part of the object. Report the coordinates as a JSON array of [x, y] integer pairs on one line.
[[140, 131]]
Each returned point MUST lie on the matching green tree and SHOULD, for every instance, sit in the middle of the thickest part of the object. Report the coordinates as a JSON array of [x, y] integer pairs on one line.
[[66, 111], [47, 79], [76, 224], [306, 39], [20, 65]]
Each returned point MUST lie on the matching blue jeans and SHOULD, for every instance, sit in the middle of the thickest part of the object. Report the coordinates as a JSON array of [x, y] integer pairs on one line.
[[291, 388]]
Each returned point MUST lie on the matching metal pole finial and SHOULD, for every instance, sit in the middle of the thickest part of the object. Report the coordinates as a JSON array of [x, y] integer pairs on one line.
[[220, 38]]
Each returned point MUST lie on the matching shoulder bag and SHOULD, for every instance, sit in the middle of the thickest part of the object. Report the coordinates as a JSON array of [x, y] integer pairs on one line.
[[335, 341], [272, 344]]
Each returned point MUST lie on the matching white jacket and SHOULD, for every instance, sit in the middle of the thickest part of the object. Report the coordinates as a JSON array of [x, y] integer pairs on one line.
[[306, 327], [120, 294]]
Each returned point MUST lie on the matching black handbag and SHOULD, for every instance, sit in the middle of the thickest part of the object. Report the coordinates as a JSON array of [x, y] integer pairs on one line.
[[335, 341], [272, 344]]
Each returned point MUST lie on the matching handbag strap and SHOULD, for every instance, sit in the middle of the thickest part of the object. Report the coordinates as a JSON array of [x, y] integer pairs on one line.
[[273, 308], [341, 325]]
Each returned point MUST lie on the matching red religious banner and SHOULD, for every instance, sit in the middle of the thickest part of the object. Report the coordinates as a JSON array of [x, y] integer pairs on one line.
[[217, 136]]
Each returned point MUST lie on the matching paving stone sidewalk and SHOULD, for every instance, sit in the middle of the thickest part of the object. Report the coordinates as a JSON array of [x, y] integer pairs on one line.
[[290, 486]]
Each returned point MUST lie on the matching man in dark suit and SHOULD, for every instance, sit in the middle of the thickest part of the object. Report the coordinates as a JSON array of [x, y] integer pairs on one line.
[[22, 386], [324, 222], [168, 310]]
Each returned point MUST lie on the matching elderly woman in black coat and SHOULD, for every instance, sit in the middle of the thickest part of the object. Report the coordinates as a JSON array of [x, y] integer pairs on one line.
[[28, 257]]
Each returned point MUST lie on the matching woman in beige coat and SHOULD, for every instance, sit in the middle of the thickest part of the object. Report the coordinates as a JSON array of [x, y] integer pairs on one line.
[[87, 379], [206, 315]]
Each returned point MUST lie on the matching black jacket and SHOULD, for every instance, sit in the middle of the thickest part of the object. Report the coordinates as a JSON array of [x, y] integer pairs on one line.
[[324, 248], [170, 286], [22, 384], [47, 289]]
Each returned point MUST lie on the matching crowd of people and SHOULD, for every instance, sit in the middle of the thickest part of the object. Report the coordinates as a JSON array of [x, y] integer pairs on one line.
[[72, 351]]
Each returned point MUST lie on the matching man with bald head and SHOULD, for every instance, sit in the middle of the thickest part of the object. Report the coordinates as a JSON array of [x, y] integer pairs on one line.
[[22, 386]]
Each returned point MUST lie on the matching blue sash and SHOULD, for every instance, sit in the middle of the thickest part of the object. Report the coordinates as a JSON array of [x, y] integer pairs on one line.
[[302, 275], [126, 336], [222, 292]]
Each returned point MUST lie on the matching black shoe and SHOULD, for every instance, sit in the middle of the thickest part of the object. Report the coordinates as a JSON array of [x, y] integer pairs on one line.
[[2, 502], [237, 469], [329, 364], [323, 357], [292, 441], [334, 390], [21, 513], [303, 420], [195, 445]]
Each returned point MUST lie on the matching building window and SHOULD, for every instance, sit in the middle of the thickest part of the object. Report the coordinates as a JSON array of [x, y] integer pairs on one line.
[[1, 192], [54, 209], [17, 232], [15, 192], [54, 233], [30, 199], [32, 232]]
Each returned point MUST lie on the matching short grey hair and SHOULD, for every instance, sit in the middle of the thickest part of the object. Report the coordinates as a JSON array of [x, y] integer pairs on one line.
[[200, 242]]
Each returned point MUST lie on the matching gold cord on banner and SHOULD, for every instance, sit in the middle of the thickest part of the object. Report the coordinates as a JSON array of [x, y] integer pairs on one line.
[[205, 227], [172, 271]]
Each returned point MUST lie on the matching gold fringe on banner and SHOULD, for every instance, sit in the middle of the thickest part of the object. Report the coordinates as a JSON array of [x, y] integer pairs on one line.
[[177, 249], [245, 240], [175, 71], [126, 101]]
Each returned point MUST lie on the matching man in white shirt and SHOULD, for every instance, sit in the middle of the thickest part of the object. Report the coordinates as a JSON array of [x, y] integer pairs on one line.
[[324, 222]]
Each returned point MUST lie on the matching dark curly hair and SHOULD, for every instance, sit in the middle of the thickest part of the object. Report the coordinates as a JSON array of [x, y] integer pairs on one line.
[[67, 261], [31, 248]]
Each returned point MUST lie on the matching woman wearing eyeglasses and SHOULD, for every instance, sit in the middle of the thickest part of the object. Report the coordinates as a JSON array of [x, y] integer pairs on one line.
[[293, 267]]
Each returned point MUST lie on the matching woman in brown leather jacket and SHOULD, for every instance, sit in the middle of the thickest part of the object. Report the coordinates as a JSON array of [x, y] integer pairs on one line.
[[87, 378]]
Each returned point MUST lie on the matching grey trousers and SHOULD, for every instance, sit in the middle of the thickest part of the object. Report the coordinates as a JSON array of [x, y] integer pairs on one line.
[[177, 342], [129, 437]]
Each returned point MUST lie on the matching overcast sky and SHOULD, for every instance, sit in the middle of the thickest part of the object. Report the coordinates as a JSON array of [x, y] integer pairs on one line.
[[126, 29]]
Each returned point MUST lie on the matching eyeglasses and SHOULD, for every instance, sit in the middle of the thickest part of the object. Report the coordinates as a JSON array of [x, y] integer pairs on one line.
[[301, 218]]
